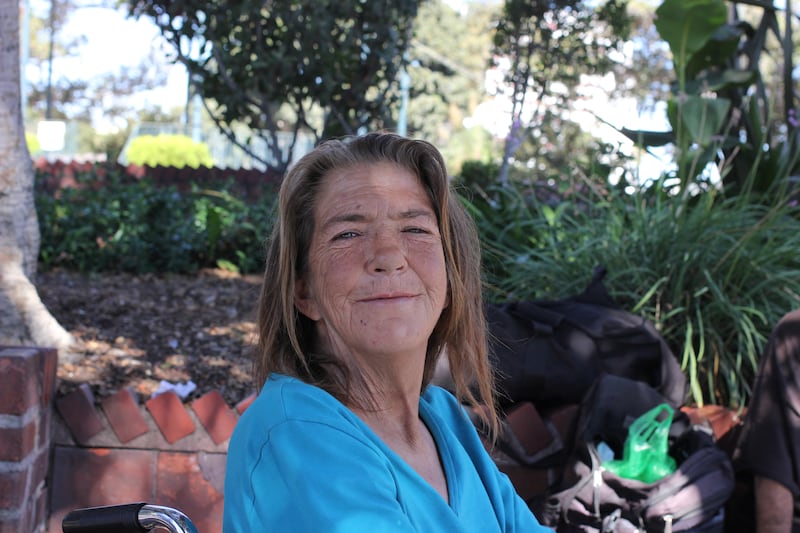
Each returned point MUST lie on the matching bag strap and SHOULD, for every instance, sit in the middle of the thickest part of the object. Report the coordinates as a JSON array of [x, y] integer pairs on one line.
[[559, 503]]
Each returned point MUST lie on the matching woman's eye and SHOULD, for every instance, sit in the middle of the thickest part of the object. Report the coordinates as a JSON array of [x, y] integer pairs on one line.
[[345, 235], [416, 230]]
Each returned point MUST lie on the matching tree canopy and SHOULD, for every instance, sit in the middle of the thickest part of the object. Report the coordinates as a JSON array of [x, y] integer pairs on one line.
[[548, 46], [448, 57], [323, 67]]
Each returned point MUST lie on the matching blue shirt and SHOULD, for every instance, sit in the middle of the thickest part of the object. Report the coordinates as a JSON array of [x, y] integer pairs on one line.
[[300, 461]]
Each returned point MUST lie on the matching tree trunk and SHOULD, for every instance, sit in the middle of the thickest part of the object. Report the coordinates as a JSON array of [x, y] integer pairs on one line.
[[23, 317]]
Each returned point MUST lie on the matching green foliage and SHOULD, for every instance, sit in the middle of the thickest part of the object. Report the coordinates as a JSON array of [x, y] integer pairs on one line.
[[697, 118], [688, 26], [469, 144], [720, 111], [168, 151], [137, 227], [713, 273], [252, 57], [33, 143], [549, 46], [447, 58]]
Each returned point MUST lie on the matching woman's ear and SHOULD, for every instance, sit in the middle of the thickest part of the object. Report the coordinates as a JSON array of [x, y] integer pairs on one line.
[[304, 300]]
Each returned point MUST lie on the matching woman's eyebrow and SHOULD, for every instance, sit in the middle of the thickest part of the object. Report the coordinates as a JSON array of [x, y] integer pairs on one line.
[[416, 213], [344, 217], [358, 217]]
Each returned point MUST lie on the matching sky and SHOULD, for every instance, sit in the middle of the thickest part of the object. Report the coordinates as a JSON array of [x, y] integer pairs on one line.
[[114, 41]]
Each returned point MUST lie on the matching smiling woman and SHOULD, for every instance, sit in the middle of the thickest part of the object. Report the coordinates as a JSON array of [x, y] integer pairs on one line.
[[372, 273], [376, 282]]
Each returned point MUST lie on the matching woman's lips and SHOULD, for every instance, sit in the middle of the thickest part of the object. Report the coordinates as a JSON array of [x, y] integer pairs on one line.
[[388, 297]]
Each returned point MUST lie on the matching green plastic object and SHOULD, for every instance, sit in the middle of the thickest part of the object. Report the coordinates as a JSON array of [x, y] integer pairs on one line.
[[646, 454]]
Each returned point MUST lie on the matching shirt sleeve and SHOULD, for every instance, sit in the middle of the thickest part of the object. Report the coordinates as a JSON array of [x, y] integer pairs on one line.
[[769, 445], [313, 477]]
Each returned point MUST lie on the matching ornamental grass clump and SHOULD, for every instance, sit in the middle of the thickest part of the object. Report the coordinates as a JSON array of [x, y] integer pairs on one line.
[[714, 274]]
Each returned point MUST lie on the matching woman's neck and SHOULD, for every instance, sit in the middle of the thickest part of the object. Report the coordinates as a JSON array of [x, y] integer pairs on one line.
[[405, 433]]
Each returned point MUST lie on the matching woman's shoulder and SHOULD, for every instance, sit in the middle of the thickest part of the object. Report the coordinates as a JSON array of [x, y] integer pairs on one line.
[[287, 406], [461, 418], [285, 397]]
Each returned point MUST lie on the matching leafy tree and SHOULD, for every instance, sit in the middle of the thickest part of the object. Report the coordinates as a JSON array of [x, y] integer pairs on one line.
[[448, 56], [260, 63], [58, 94], [548, 46]]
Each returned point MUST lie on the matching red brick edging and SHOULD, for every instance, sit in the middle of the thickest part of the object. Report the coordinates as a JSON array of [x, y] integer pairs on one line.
[[166, 452]]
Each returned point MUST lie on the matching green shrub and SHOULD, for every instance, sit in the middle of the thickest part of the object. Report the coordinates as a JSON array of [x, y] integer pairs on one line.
[[33, 143], [469, 144], [477, 176], [168, 151], [138, 227], [714, 274]]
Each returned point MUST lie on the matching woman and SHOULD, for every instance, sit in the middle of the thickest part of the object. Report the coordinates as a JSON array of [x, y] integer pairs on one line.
[[372, 272]]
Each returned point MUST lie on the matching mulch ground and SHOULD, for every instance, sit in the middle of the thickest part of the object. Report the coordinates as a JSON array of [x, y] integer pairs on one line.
[[137, 330]]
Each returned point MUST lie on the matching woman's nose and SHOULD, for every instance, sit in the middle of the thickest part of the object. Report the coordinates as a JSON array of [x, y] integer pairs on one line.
[[387, 254]]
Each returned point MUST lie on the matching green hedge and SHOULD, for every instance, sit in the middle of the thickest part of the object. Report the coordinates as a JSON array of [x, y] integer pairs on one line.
[[138, 227], [168, 151]]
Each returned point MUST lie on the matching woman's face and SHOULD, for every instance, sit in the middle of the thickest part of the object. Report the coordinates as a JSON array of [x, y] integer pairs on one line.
[[376, 283]]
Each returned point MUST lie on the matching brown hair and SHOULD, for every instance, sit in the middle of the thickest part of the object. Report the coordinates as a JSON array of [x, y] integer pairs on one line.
[[287, 337]]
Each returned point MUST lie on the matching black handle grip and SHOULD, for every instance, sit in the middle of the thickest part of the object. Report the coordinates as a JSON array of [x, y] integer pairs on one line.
[[113, 518]]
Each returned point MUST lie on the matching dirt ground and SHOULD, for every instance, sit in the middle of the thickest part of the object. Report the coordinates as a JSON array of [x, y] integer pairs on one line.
[[136, 330]]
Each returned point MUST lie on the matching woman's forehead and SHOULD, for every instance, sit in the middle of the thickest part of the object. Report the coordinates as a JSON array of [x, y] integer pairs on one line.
[[368, 176]]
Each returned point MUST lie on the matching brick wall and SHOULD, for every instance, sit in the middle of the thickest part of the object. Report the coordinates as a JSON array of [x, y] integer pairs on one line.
[[27, 384], [164, 451], [74, 451]]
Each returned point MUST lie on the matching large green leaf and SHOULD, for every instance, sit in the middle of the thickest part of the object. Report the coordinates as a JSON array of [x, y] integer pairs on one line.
[[687, 25], [702, 117], [717, 50], [648, 137], [717, 81]]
